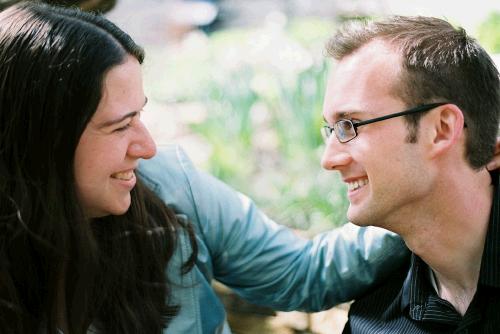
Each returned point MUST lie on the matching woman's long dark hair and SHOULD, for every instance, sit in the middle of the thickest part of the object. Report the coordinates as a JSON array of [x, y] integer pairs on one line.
[[52, 65], [101, 6]]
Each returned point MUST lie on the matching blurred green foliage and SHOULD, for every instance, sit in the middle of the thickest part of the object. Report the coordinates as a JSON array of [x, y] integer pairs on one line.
[[489, 32], [263, 92]]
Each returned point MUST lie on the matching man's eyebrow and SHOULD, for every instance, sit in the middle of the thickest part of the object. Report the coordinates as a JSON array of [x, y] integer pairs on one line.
[[346, 114], [343, 115], [122, 118]]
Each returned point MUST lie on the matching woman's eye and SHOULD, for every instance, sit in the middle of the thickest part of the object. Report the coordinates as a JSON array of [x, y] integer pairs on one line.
[[134, 118], [123, 128]]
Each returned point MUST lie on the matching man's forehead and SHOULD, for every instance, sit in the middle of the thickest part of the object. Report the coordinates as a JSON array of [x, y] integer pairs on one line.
[[362, 82]]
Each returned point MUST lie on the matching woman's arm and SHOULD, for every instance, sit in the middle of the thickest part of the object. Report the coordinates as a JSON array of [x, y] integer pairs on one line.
[[264, 262]]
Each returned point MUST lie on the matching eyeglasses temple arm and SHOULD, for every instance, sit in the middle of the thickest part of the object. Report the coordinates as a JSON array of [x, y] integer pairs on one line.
[[422, 108]]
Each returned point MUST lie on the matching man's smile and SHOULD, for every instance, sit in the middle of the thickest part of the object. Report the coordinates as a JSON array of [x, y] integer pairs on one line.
[[356, 184]]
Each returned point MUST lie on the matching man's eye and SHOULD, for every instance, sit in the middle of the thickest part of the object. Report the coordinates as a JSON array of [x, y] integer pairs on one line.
[[344, 125]]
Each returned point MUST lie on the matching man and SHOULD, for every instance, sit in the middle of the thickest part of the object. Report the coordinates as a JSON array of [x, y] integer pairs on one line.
[[421, 172]]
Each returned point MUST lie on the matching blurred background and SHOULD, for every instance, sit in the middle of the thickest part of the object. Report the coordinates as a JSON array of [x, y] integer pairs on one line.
[[239, 84]]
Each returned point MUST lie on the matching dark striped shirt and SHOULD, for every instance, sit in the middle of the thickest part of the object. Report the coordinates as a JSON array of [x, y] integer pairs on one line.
[[408, 303]]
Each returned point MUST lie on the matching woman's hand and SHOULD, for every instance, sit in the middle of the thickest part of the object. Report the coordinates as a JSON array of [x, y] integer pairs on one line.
[[495, 163]]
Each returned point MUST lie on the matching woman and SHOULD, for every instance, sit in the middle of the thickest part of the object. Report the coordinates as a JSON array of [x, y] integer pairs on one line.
[[85, 247], [82, 240]]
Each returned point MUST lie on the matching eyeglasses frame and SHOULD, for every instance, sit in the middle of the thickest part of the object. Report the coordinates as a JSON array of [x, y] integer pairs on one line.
[[355, 125]]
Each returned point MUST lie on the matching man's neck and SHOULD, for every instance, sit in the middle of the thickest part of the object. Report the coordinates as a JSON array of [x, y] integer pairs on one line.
[[458, 295], [449, 232]]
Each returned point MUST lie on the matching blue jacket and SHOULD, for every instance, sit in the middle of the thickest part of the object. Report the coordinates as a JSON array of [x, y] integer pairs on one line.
[[265, 263]]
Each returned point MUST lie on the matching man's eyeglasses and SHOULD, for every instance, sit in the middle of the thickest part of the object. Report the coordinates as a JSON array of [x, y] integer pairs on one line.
[[346, 130]]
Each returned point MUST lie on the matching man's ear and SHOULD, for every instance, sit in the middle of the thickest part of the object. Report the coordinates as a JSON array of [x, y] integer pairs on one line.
[[446, 128]]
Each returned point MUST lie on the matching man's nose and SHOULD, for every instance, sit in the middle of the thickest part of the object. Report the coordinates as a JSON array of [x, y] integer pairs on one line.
[[335, 156]]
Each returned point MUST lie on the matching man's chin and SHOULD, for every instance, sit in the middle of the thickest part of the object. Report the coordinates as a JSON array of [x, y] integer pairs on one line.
[[358, 216]]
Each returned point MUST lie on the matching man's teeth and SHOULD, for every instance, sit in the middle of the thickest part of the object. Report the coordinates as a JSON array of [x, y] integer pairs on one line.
[[357, 184], [123, 175]]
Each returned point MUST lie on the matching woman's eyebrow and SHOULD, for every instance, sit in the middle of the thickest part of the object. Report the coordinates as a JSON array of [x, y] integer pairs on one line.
[[122, 118]]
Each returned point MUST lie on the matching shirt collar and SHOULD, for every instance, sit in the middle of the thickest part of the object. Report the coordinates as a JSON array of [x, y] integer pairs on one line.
[[490, 262], [416, 288]]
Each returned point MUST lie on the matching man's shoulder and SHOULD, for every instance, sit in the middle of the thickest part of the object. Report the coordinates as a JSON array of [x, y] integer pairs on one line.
[[380, 306], [384, 296]]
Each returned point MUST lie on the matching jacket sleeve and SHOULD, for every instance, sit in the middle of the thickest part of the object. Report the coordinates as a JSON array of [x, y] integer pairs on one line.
[[262, 261]]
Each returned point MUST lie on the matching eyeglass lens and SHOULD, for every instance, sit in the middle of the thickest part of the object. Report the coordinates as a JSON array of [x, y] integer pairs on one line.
[[344, 130]]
